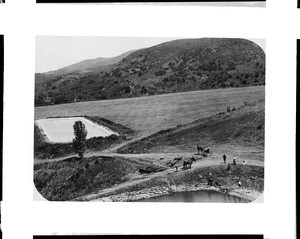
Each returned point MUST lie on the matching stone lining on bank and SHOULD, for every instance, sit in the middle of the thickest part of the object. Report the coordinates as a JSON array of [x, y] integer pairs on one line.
[[243, 193]]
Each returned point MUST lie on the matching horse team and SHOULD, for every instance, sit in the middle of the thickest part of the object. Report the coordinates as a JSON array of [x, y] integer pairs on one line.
[[187, 164], [203, 150]]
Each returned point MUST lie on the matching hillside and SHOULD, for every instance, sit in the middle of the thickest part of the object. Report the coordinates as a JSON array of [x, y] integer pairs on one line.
[[176, 66], [90, 65], [243, 126]]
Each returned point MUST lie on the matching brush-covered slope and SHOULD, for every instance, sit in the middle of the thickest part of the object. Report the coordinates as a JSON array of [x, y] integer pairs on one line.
[[176, 66], [71, 178]]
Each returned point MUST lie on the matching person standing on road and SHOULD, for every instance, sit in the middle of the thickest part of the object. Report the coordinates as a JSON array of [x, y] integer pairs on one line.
[[224, 158], [234, 160], [176, 167], [240, 183]]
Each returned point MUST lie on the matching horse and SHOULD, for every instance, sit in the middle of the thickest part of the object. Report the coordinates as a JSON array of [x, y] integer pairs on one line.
[[188, 163], [199, 148]]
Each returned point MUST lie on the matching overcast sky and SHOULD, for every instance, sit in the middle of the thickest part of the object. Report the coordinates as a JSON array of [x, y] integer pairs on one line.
[[54, 52]]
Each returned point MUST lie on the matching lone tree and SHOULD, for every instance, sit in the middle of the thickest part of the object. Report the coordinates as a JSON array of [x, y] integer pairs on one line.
[[79, 142]]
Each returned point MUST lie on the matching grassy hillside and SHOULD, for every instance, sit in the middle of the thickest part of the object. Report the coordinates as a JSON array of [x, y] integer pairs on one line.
[[176, 66], [244, 126], [147, 115]]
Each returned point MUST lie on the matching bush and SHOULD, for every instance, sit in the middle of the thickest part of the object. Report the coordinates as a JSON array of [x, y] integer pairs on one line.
[[79, 142], [144, 90], [160, 72]]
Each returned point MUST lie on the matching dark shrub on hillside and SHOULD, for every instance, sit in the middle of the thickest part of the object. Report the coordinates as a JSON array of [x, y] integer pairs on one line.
[[160, 72], [126, 89], [144, 90]]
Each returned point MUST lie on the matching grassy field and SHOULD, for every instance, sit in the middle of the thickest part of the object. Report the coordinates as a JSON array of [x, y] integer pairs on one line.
[[147, 115]]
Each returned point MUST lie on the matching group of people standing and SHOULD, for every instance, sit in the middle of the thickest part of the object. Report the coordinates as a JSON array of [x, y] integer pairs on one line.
[[233, 161]]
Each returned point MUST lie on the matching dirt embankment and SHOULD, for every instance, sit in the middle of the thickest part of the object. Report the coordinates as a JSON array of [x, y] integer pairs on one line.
[[243, 126], [203, 178], [121, 129], [71, 178]]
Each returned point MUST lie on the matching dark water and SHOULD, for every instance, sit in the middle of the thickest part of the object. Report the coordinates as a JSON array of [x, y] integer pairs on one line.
[[197, 196]]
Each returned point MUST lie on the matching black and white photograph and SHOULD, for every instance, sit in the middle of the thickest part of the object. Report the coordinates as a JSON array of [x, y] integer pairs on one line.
[[136, 119], [149, 119]]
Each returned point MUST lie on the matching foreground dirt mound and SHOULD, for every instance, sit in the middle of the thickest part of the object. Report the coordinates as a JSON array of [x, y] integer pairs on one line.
[[71, 178], [242, 126], [215, 177]]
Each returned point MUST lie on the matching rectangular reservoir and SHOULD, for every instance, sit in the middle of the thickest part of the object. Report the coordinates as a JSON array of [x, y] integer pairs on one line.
[[60, 130]]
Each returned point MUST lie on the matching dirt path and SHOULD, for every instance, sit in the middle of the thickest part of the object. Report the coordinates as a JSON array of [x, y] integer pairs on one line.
[[90, 153], [159, 157]]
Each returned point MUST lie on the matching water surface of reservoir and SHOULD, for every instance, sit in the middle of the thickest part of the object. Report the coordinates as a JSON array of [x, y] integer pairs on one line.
[[60, 130], [196, 196]]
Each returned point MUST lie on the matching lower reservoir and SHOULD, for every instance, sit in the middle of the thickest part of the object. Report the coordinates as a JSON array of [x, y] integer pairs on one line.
[[196, 196]]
